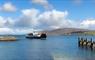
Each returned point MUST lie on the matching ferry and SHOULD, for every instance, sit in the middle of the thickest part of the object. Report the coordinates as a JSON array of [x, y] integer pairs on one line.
[[36, 35]]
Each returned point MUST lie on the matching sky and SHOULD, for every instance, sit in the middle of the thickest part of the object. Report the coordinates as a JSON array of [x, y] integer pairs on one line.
[[24, 16]]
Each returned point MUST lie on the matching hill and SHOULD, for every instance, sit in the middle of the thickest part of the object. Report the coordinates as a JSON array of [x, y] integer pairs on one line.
[[67, 31]]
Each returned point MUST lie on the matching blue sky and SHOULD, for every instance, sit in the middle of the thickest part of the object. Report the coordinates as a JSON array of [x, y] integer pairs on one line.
[[27, 15], [82, 10]]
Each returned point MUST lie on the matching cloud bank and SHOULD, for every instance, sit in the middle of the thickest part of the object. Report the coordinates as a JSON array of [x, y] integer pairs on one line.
[[32, 19]]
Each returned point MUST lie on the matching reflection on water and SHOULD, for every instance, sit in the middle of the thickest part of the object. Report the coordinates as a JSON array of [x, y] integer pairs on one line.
[[54, 48]]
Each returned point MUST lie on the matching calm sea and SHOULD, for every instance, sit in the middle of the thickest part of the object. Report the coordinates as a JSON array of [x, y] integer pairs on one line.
[[53, 48]]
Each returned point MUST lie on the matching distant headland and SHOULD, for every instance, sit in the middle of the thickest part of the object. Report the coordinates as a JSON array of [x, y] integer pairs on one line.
[[69, 31]]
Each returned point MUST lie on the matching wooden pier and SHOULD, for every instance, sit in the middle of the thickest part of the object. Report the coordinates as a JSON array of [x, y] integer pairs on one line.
[[85, 43]]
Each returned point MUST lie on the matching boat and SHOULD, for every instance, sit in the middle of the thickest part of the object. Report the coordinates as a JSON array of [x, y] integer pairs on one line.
[[36, 35]]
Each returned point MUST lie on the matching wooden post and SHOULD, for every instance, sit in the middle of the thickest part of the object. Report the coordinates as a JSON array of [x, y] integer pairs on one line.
[[91, 39], [93, 45], [89, 44], [85, 43], [79, 41]]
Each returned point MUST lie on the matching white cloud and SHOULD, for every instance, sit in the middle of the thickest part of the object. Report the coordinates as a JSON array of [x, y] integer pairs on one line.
[[9, 22], [40, 1], [7, 26], [77, 1], [1, 21], [54, 18], [29, 18], [30, 12], [8, 7], [88, 23], [44, 3], [4, 31], [6, 22]]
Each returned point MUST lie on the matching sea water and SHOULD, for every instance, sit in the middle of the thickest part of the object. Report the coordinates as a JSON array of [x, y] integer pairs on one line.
[[53, 48]]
